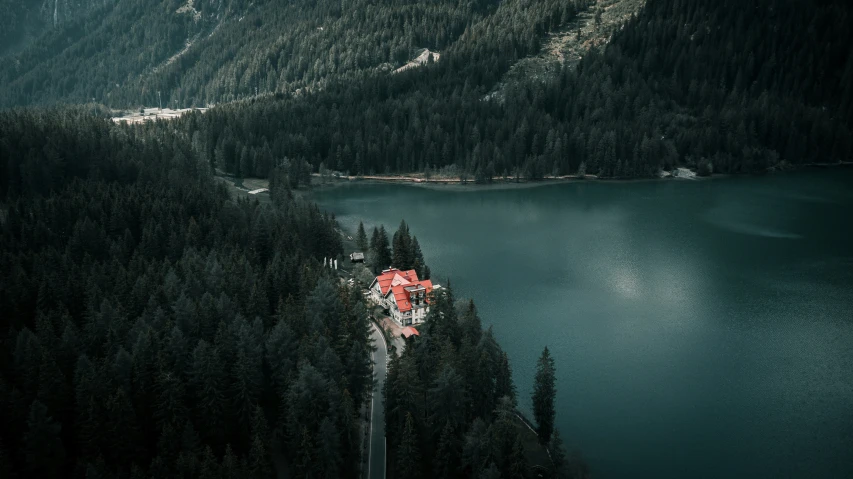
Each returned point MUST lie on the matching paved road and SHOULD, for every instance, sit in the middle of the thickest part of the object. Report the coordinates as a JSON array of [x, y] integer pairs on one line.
[[376, 458]]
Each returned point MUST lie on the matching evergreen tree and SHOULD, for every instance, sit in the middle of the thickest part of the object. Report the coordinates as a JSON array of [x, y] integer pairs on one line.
[[446, 461], [361, 237], [374, 239], [558, 456], [328, 449], [517, 461], [403, 254], [382, 251], [408, 455], [504, 386], [43, 450], [418, 263], [259, 465], [447, 400], [544, 394], [475, 450]]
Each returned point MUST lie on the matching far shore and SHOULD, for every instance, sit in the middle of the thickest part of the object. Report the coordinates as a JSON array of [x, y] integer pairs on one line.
[[496, 183], [511, 182]]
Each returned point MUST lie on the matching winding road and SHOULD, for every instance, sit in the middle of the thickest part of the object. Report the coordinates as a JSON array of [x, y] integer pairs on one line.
[[376, 457]]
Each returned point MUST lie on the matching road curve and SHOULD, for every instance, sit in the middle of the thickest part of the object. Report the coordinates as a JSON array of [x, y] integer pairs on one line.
[[376, 457]]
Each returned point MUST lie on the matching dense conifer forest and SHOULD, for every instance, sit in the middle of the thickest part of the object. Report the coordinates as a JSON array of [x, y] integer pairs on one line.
[[450, 404], [153, 327], [711, 86]]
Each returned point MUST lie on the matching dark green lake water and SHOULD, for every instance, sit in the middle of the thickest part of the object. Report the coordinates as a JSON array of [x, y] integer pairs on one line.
[[700, 328]]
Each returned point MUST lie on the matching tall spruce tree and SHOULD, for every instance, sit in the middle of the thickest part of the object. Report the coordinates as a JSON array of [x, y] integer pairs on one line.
[[418, 262], [361, 237], [403, 254], [408, 452], [544, 394], [382, 251]]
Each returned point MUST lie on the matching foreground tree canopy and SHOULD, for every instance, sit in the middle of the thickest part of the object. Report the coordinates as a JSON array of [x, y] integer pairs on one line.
[[154, 327]]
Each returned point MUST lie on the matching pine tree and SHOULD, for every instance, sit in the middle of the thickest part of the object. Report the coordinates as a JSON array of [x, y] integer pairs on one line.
[[361, 237], [43, 449], [123, 434], [209, 468], [230, 468], [447, 399], [402, 257], [306, 463], [328, 449], [52, 390], [374, 239], [446, 461], [544, 394], [382, 251], [259, 465], [260, 428], [208, 381], [418, 262], [475, 449], [171, 406], [558, 456], [280, 355], [504, 386], [517, 461], [408, 455]]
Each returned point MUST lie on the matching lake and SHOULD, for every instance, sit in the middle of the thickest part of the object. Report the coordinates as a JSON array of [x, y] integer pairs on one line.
[[700, 328]]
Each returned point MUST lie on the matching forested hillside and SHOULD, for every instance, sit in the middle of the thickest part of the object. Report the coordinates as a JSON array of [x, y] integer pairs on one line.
[[24, 21], [713, 86], [717, 86], [210, 51], [153, 327], [450, 405]]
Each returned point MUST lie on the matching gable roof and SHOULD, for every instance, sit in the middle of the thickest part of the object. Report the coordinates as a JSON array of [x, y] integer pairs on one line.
[[401, 293], [393, 277]]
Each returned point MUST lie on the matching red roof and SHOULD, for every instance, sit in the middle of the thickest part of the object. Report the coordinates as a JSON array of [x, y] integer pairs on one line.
[[388, 277], [409, 331], [401, 296]]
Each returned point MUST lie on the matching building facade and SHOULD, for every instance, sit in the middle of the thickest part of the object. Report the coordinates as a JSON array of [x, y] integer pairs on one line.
[[404, 296]]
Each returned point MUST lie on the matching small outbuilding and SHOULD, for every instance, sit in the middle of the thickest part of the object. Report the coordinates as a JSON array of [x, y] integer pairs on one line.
[[356, 257], [409, 332]]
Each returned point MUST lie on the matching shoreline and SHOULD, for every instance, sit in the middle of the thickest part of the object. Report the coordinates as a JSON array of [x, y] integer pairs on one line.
[[511, 183]]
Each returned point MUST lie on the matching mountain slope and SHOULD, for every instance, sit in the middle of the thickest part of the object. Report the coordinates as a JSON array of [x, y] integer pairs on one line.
[[672, 88], [24, 21], [211, 51]]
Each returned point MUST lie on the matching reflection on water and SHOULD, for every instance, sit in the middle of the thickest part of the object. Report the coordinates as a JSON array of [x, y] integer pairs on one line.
[[700, 329]]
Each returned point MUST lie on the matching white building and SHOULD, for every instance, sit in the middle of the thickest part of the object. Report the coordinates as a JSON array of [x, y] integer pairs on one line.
[[404, 296]]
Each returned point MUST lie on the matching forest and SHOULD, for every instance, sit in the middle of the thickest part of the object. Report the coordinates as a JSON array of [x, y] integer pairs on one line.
[[721, 87], [450, 404], [213, 51], [670, 89], [154, 327]]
